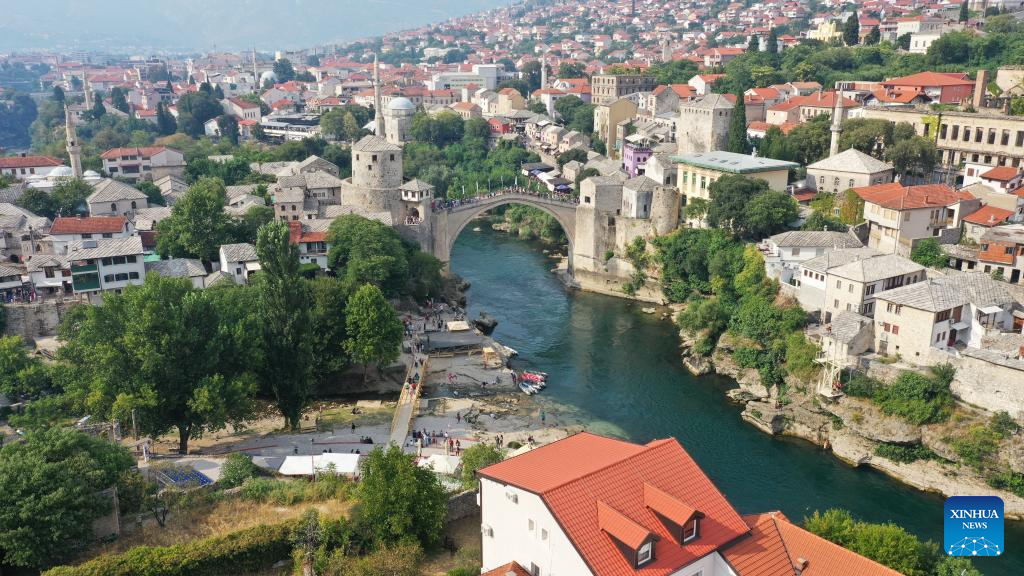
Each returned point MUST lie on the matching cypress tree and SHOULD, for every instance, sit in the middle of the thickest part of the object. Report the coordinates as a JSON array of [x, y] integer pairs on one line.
[[964, 13], [738, 141], [773, 42], [851, 30]]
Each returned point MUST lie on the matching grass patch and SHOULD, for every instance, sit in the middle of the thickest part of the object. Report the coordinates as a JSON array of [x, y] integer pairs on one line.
[[343, 417], [905, 454], [292, 492]]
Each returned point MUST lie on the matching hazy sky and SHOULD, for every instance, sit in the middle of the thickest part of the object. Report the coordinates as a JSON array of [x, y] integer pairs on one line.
[[202, 25]]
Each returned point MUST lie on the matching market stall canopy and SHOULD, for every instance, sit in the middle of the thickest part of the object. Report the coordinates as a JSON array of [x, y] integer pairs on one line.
[[347, 464], [441, 463], [458, 326]]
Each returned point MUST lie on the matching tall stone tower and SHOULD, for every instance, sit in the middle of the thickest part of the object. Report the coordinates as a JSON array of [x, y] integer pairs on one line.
[[376, 176], [74, 148], [255, 75], [704, 124], [378, 119], [543, 71], [837, 124]]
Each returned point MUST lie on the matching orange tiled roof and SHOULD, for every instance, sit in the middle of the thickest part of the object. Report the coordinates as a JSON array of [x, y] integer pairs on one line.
[[579, 475], [1001, 173], [88, 225], [895, 195], [930, 79], [28, 161], [823, 557], [144, 152], [763, 553], [512, 568], [988, 216]]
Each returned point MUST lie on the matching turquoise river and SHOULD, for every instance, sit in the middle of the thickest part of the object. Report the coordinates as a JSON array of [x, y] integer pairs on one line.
[[618, 370]]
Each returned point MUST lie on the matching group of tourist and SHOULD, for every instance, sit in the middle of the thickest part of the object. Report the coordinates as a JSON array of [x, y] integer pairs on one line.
[[441, 204]]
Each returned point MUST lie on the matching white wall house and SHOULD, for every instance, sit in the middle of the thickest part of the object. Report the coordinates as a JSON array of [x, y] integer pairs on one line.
[[850, 280], [113, 198], [239, 261], [784, 252], [105, 264]]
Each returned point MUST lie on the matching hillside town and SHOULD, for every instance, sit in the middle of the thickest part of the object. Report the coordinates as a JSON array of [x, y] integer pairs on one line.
[[234, 285]]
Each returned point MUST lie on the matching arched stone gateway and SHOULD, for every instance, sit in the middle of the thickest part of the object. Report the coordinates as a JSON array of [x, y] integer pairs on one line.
[[448, 223]]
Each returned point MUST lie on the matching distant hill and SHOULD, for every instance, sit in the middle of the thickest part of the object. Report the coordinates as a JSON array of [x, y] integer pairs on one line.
[[204, 25]]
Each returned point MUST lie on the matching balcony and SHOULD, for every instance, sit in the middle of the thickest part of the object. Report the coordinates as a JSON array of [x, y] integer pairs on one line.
[[86, 282], [83, 268]]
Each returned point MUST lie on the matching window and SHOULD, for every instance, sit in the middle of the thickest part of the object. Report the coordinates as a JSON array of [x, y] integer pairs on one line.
[[836, 304], [121, 277], [850, 288], [645, 554], [131, 258], [530, 525], [108, 278], [113, 207], [86, 236], [133, 275], [938, 337], [48, 272], [543, 534], [956, 132], [691, 531], [106, 261], [534, 569], [895, 329], [796, 251], [133, 205], [107, 235], [869, 290]]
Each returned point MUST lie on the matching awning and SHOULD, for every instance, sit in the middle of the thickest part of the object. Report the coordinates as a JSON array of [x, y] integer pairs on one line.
[[961, 325], [441, 463], [347, 464], [458, 325], [992, 309]]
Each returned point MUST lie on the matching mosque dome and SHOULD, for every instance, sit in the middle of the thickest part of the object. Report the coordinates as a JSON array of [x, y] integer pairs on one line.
[[61, 172], [268, 75], [91, 175], [401, 103]]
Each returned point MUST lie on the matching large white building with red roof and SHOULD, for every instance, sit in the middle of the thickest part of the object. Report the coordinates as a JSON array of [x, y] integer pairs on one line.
[[23, 166], [588, 504], [146, 163], [898, 215]]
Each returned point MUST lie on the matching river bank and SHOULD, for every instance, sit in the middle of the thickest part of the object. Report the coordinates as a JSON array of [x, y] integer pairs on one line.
[[616, 370], [852, 429]]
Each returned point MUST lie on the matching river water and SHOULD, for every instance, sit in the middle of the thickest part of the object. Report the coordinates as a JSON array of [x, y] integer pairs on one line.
[[618, 370]]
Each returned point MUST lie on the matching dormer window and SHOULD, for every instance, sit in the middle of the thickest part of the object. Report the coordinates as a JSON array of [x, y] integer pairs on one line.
[[691, 531], [645, 554]]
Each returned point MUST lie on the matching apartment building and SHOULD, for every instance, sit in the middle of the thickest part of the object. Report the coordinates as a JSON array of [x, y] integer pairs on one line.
[[607, 88], [146, 163], [1002, 252], [105, 264], [849, 280], [898, 215]]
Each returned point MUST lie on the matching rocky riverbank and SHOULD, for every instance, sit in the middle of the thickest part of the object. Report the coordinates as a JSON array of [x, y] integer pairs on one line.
[[853, 428]]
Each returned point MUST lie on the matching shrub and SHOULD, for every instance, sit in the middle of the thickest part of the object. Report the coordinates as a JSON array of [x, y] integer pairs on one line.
[[977, 447], [248, 550], [861, 386], [237, 469], [399, 560], [1009, 481], [1003, 424], [904, 454], [291, 492], [746, 357], [916, 398], [800, 355]]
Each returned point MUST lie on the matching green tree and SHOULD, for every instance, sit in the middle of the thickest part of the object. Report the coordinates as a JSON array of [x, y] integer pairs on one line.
[[238, 467], [768, 213], [98, 109], [754, 43], [48, 494], [69, 196], [20, 373], [373, 328], [198, 224], [284, 70], [165, 122], [566, 106], [929, 253], [576, 154], [286, 343], [964, 13], [851, 30], [476, 457], [37, 201], [155, 351], [332, 123], [730, 196], [873, 37], [118, 100], [194, 109], [366, 251], [772, 42], [57, 94], [228, 126], [571, 70], [738, 141], [398, 499], [245, 228], [328, 327]]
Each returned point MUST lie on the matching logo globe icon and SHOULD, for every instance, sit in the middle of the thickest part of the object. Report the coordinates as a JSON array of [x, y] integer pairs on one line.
[[974, 547]]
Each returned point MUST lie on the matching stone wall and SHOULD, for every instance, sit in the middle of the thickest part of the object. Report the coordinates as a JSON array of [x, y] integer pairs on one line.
[[37, 320], [462, 505]]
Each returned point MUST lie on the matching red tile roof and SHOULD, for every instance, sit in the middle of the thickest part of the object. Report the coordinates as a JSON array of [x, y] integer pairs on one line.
[[763, 553], [895, 195], [1001, 173], [928, 79], [617, 525], [88, 225], [512, 568], [28, 161], [823, 557], [988, 216], [579, 476]]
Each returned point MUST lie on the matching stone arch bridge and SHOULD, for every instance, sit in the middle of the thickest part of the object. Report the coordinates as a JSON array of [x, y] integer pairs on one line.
[[447, 223]]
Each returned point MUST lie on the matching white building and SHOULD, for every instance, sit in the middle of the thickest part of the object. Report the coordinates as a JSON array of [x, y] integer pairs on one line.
[[75, 228], [590, 505], [146, 163], [105, 264], [850, 280], [113, 198], [23, 166], [849, 169], [239, 261], [784, 252]]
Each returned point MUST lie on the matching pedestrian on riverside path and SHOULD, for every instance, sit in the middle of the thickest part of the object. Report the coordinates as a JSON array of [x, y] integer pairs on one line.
[[353, 426], [458, 417], [458, 447], [542, 416]]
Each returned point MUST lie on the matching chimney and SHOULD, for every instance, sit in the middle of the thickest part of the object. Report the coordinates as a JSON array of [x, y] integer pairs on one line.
[[800, 565], [980, 86]]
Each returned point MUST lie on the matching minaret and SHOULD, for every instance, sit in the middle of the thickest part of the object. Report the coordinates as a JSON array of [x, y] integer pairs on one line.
[[74, 149], [255, 75], [837, 124], [378, 118], [543, 71], [88, 91]]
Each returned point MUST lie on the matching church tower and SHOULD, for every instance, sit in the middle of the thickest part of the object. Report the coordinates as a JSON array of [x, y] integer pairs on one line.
[[837, 124], [74, 149], [378, 119]]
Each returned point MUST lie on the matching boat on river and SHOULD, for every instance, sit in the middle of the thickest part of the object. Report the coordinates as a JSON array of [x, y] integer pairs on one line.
[[527, 388]]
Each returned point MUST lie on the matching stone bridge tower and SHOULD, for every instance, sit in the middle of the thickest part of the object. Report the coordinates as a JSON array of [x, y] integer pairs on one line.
[[376, 176]]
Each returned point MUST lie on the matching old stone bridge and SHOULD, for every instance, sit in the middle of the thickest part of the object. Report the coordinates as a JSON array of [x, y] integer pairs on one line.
[[448, 222]]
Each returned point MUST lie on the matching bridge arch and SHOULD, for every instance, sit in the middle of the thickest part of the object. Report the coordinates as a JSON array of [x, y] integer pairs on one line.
[[449, 223]]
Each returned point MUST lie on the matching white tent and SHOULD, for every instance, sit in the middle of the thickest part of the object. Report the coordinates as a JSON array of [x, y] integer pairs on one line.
[[458, 325], [347, 464], [441, 463]]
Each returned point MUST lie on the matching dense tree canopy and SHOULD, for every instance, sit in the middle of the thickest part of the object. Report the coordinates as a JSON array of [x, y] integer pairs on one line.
[[198, 224], [399, 500], [49, 486]]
